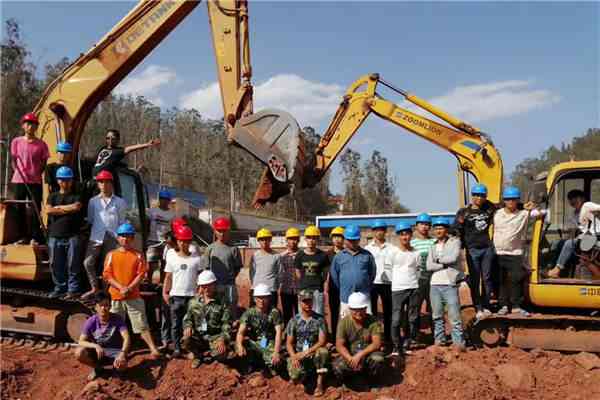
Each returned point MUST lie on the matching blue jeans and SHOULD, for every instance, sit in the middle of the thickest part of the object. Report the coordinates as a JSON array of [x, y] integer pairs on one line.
[[446, 295], [64, 263], [566, 253], [480, 264], [178, 306]]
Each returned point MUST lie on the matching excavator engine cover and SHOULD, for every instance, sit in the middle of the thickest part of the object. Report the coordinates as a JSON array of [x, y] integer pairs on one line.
[[274, 138]]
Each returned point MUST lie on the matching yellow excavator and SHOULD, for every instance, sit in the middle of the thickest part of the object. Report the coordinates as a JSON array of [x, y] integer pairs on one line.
[[566, 309], [64, 109]]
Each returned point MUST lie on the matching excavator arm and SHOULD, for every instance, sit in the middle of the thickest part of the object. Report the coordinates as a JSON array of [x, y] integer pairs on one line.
[[69, 100], [473, 149]]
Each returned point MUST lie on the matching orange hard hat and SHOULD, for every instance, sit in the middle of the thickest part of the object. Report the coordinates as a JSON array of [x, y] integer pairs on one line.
[[30, 117], [104, 176], [222, 224], [183, 232]]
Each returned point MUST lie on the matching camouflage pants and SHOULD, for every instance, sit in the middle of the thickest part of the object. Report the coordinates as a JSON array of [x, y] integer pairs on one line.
[[259, 356], [197, 345], [372, 365], [316, 363]]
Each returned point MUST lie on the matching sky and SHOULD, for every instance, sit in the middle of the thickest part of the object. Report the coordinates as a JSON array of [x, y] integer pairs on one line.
[[526, 73]]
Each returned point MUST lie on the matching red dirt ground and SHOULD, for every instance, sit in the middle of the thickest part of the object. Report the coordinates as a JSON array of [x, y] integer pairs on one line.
[[434, 373]]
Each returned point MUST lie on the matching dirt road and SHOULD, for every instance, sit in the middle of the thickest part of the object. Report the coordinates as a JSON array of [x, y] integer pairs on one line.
[[434, 373]]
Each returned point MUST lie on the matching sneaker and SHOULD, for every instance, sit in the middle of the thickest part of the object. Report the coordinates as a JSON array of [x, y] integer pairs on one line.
[[553, 273], [95, 374], [395, 351], [176, 354], [196, 363], [479, 315], [486, 313], [406, 347], [503, 310], [522, 312], [56, 294]]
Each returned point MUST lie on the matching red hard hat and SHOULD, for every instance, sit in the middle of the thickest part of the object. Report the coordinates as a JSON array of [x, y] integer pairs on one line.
[[30, 117], [104, 176], [176, 223], [222, 224], [183, 232]]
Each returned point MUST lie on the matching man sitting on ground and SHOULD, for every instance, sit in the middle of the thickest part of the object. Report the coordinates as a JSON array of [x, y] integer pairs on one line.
[[306, 339], [359, 339], [104, 339], [261, 330], [207, 323]]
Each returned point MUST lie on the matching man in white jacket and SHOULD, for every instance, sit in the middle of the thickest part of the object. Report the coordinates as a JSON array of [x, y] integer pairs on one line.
[[405, 297], [443, 260]]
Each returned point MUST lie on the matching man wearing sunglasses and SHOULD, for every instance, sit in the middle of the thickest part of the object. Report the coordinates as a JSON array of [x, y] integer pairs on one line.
[[111, 154]]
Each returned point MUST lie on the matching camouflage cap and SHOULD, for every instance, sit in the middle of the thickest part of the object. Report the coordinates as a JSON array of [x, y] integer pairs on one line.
[[305, 295]]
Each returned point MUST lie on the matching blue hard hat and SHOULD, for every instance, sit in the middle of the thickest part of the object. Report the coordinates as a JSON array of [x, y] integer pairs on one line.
[[424, 218], [403, 226], [126, 229], [64, 147], [479, 189], [440, 221], [165, 194], [511, 192], [352, 232], [64, 173], [378, 223]]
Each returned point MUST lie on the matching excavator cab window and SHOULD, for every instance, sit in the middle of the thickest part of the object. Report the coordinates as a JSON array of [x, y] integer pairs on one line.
[[560, 226], [135, 195]]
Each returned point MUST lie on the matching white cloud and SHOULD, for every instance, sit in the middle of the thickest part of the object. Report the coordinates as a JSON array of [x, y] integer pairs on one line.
[[309, 102], [483, 102], [148, 83], [362, 141]]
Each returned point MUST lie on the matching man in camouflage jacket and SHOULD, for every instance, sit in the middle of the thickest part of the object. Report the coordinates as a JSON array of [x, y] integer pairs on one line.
[[306, 339], [260, 334], [207, 323]]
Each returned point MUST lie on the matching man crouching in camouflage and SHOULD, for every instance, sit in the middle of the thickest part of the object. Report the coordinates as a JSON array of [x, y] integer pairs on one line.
[[358, 341], [260, 334], [306, 339], [207, 323]]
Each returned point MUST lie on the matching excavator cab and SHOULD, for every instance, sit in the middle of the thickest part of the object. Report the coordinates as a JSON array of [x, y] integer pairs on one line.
[[559, 229]]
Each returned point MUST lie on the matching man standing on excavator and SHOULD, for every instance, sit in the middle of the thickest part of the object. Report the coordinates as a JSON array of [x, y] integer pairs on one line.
[[110, 156], [29, 155]]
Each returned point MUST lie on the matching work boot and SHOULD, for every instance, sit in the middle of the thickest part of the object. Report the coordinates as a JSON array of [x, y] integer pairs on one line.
[[56, 294], [72, 296], [396, 352]]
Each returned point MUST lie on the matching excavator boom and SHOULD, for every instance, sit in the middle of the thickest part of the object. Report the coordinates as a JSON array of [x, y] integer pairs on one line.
[[473, 149]]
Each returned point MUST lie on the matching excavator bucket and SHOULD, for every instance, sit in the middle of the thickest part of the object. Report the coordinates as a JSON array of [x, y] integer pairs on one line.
[[274, 138]]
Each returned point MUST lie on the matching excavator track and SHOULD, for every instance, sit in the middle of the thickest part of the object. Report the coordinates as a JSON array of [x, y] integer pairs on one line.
[[33, 313], [545, 331]]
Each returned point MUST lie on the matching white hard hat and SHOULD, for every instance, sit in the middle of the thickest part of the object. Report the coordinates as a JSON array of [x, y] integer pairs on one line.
[[358, 300], [261, 290], [206, 278]]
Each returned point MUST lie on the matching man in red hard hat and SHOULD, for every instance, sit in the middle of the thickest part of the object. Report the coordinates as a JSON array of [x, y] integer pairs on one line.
[[182, 271], [106, 211], [29, 156], [225, 261]]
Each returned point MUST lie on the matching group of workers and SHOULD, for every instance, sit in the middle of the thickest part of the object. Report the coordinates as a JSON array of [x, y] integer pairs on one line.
[[289, 291]]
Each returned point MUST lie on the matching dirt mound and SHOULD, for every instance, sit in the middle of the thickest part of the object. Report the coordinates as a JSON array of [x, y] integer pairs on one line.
[[434, 373]]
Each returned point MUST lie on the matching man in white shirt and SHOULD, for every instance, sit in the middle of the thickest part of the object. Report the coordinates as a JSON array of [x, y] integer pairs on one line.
[[182, 271], [106, 212], [382, 252], [510, 225], [160, 221], [586, 215], [404, 286]]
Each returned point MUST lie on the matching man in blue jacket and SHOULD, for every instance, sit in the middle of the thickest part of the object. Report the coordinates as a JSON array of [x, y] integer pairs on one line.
[[353, 269]]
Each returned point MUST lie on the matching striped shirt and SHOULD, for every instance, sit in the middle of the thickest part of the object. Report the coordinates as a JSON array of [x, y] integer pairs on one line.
[[422, 247]]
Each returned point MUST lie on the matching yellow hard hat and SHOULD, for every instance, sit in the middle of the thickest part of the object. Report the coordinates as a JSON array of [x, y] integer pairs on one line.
[[263, 233], [338, 230], [312, 230], [292, 233]]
